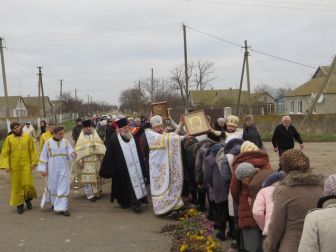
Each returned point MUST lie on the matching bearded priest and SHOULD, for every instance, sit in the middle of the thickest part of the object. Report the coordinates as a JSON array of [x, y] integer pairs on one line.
[[123, 163]]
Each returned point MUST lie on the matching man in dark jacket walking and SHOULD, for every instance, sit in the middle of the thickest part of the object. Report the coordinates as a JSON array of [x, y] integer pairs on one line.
[[284, 135], [77, 129]]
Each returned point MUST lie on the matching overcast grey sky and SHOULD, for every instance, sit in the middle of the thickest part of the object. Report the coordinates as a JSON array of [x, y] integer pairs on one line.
[[102, 47]]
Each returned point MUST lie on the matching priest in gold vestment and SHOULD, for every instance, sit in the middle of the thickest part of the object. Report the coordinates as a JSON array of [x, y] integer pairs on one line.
[[90, 151]]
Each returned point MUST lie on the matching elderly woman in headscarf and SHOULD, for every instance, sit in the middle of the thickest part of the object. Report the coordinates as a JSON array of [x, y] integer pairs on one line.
[[293, 198]]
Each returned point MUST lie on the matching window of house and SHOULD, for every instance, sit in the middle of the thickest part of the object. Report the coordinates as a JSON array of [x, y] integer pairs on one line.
[[292, 106], [300, 106]]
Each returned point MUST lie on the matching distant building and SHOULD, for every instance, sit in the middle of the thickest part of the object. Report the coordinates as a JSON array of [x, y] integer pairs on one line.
[[17, 107], [220, 98], [300, 99], [280, 107], [35, 105], [268, 101]]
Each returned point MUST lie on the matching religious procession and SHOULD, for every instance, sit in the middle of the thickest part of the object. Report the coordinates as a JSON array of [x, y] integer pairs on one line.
[[215, 176], [168, 126]]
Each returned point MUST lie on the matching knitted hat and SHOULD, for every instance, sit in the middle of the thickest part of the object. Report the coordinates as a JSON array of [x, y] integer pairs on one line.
[[330, 185], [232, 120], [156, 121], [245, 170], [248, 146], [294, 160], [273, 178]]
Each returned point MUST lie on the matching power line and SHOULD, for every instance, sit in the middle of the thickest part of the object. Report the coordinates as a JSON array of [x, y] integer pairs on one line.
[[260, 5], [256, 51], [213, 36], [266, 70], [280, 58]]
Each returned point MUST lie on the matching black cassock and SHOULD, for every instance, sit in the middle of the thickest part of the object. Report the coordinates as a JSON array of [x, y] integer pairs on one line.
[[114, 166]]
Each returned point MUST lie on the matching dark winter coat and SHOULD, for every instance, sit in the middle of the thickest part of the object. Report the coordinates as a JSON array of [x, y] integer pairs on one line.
[[76, 132], [114, 166], [240, 192], [188, 160], [212, 177], [109, 133], [252, 134], [293, 198], [232, 147], [284, 138], [199, 153]]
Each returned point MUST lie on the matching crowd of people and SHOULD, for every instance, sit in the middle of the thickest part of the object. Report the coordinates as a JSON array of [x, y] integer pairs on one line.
[[225, 173]]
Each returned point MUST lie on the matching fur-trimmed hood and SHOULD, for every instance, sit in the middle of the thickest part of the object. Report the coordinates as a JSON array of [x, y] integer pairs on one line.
[[258, 158], [297, 178]]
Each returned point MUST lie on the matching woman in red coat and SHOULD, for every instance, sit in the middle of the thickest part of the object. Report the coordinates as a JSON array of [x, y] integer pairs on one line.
[[251, 233]]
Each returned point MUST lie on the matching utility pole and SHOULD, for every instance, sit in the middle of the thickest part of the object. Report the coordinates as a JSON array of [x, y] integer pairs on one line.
[[88, 102], [248, 76], [245, 64], [4, 77], [42, 91], [152, 85], [76, 94], [317, 97], [61, 99], [241, 85], [186, 77], [140, 95]]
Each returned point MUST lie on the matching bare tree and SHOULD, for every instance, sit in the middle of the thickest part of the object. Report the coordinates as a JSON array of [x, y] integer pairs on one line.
[[277, 93], [131, 100], [280, 92], [203, 75], [178, 80], [264, 88]]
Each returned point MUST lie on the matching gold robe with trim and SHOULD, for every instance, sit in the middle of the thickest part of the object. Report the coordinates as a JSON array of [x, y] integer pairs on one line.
[[90, 152]]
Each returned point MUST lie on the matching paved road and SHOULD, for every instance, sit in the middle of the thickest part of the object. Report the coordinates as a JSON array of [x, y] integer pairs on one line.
[[100, 226]]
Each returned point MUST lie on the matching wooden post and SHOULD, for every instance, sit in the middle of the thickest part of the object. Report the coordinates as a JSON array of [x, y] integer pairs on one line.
[[317, 97]]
